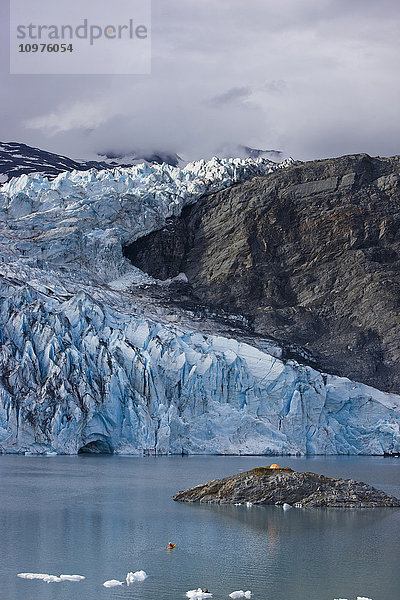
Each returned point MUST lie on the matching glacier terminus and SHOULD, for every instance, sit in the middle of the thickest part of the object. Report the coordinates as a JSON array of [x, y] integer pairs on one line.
[[90, 362]]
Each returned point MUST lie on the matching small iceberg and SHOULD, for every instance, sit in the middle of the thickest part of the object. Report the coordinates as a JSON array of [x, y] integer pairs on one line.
[[286, 506], [240, 594], [112, 583], [50, 578], [33, 575], [136, 576], [358, 598], [249, 504], [198, 594]]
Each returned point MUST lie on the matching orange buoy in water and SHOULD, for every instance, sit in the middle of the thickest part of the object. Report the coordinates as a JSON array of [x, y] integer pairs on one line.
[[274, 466], [170, 546]]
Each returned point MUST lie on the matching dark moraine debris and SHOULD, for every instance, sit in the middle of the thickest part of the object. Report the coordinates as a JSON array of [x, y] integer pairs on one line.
[[265, 485]]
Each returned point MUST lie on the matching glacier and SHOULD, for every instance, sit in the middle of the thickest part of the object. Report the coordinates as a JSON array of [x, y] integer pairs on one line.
[[90, 362]]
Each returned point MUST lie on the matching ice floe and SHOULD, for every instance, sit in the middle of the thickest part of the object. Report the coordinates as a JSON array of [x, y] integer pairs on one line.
[[33, 575], [51, 578], [112, 583], [198, 594], [240, 594], [358, 598], [136, 576]]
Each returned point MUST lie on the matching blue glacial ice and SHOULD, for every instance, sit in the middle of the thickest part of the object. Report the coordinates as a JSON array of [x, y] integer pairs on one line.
[[86, 364]]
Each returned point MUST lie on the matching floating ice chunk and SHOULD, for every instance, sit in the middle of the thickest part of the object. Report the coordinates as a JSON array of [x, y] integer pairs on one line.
[[198, 594], [237, 504], [52, 579], [136, 576], [286, 506], [51, 454], [363, 598], [112, 583], [240, 594], [33, 575], [249, 504]]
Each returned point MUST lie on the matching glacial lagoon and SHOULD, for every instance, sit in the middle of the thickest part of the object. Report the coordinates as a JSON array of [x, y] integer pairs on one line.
[[102, 516]]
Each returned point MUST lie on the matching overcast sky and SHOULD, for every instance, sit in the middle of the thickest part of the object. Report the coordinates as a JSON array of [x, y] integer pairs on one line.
[[314, 78]]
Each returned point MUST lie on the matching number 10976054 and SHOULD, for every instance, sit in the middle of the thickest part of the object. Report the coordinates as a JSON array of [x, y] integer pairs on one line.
[[45, 48]]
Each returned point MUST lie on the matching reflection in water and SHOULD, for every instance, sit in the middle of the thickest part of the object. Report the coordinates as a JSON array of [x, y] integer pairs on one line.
[[299, 519], [104, 516], [340, 549], [272, 536]]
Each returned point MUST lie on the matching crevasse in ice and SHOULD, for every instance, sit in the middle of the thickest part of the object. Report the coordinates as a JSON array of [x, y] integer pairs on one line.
[[84, 365]]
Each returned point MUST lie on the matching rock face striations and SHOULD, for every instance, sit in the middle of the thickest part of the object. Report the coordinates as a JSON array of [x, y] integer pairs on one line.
[[265, 485], [310, 254]]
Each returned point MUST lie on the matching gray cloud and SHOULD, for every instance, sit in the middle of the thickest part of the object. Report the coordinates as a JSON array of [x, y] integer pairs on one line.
[[232, 95], [313, 78]]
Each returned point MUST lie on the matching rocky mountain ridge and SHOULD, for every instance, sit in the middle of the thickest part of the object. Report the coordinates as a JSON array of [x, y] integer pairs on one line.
[[18, 159], [309, 255]]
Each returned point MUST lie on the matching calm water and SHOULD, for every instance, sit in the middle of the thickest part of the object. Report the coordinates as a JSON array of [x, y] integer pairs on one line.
[[104, 516]]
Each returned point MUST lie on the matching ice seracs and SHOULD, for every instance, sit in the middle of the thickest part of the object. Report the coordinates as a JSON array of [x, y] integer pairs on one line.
[[114, 381], [89, 366], [87, 216]]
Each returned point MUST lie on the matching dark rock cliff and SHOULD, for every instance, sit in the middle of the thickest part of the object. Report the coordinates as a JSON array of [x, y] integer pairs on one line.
[[310, 255]]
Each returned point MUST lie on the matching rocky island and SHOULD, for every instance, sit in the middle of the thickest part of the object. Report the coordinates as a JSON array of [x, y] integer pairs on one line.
[[282, 485]]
